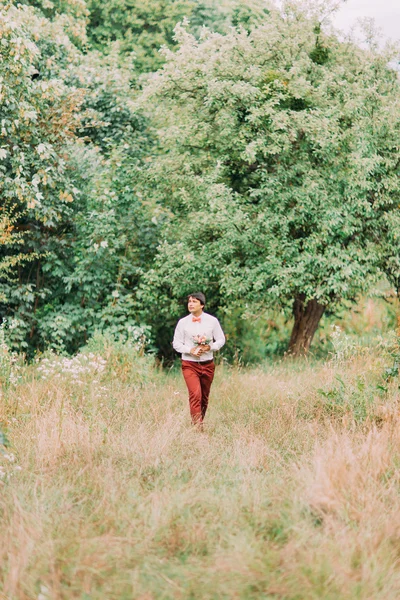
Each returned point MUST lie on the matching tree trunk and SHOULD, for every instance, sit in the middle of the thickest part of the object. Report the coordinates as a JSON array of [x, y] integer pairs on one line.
[[306, 321]]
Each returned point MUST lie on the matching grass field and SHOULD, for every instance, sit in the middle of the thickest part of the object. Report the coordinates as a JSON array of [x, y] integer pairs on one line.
[[291, 492]]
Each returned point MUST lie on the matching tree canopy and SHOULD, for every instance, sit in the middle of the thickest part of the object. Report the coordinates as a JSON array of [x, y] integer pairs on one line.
[[143, 27], [280, 163], [247, 150], [71, 143]]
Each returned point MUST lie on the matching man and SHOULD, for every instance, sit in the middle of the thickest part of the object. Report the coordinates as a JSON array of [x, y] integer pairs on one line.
[[196, 337]]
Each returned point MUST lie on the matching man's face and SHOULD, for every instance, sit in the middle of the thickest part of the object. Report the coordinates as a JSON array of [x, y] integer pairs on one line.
[[194, 305]]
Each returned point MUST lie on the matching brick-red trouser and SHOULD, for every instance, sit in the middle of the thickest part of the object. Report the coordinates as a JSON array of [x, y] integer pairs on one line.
[[198, 377]]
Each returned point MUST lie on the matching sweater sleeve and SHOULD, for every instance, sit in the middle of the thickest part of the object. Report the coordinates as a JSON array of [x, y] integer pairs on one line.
[[178, 342], [219, 337]]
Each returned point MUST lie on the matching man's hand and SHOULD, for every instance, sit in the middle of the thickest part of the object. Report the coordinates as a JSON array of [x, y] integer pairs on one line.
[[199, 350], [204, 349], [195, 351]]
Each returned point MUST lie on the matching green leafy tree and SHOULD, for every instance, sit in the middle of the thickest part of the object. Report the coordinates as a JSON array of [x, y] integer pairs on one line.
[[38, 195], [280, 164], [143, 27], [70, 17], [74, 233], [115, 234], [390, 248]]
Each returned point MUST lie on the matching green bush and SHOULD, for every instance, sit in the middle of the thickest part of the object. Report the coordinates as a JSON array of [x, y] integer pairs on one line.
[[125, 359]]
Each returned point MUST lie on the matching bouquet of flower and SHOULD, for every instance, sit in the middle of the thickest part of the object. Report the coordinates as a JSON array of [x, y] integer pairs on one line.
[[201, 340]]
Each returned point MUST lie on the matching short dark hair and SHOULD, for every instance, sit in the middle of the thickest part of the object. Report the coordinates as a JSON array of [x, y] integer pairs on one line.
[[199, 295]]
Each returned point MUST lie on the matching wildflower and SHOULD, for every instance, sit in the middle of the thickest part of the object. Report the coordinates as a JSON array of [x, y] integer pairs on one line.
[[30, 115], [35, 180], [44, 593]]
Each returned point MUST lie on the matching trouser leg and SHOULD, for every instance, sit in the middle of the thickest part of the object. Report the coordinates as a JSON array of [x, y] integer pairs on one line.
[[206, 380], [191, 375]]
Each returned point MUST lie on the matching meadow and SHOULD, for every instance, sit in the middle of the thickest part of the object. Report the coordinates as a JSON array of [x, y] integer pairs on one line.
[[290, 493], [148, 149]]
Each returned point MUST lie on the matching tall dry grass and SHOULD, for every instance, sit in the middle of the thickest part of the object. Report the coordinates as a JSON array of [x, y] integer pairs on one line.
[[292, 491]]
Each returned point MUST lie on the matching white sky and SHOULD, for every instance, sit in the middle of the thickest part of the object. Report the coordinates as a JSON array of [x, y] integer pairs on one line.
[[386, 14]]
